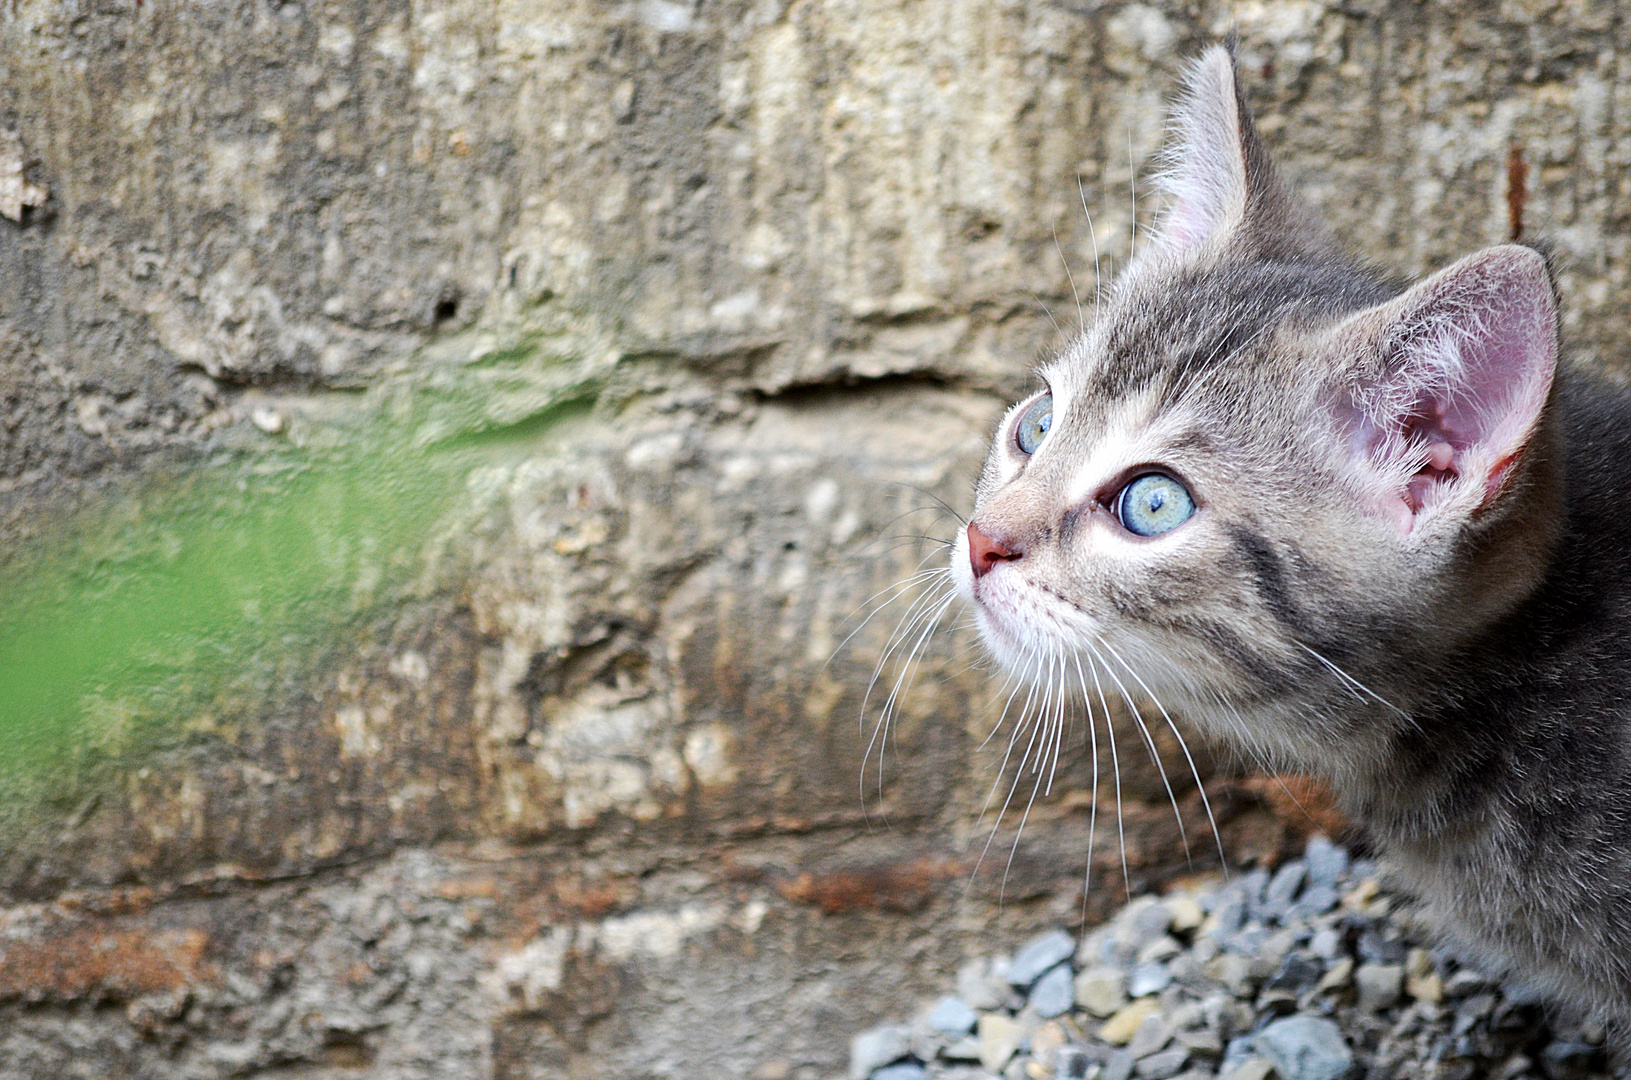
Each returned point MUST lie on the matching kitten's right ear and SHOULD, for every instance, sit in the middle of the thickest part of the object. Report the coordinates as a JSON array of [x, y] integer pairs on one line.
[[1218, 177], [1217, 174]]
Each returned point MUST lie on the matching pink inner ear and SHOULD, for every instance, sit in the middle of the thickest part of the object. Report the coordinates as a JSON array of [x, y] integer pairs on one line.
[[1474, 362]]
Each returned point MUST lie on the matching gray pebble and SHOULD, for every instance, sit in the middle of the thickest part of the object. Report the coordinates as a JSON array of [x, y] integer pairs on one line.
[[1164, 947], [1252, 886], [1101, 990], [1305, 1048], [1226, 1016], [1054, 993], [1152, 1035], [1375, 949], [1315, 900], [1204, 1044], [1299, 972], [1239, 1049], [1326, 862], [1379, 986], [1160, 1066], [1464, 982], [1253, 961], [880, 1046], [1038, 955], [1153, 920], [952, 1016], [1249, 942], [980, 987], [1250, 1068], [1119, 1066], [1284, 886], [1148, 979], [1230, 916]]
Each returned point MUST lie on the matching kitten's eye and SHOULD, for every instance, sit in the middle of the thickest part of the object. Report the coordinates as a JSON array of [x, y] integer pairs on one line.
[[1153, 504], [1033, 426]]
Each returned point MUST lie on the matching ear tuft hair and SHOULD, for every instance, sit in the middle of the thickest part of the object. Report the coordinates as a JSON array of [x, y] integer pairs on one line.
[[1204, 172], [1217, 175], [1452, 382]]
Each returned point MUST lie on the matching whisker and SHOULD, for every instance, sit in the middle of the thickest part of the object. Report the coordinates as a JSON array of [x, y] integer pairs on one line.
[[1040, 729], [1098, 278], [1018, 685], [1093, 806], [1132, 183], [1189, 758], [1115, 768], [940, 593], [1048, 313], [1356, 684], [1019, 727], [1058, 726], [929, 618], [1155, 755], [944, 505], [900, 588], [1081, 321]]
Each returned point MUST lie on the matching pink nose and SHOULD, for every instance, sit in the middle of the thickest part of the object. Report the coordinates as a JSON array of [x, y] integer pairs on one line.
[[985, 553]]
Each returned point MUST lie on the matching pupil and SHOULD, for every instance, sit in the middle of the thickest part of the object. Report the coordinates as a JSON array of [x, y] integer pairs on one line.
[[1045, 423], [1157, 500]]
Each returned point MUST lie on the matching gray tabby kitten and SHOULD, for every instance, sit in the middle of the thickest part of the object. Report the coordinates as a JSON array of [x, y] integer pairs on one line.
[[1374, 535]]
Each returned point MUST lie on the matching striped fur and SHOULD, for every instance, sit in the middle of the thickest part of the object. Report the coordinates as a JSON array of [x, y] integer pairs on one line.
[[1449, 644]]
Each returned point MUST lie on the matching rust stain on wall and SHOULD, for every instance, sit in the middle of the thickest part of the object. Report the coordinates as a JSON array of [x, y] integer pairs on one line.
[[114, 963], [902, 887], [1517, 191]]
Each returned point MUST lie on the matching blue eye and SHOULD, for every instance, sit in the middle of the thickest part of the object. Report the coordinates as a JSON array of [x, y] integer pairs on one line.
[[1153, 504], [1034, 424]]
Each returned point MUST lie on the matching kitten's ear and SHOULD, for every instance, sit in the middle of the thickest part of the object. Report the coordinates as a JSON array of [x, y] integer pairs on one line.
[[1449, 384], [1217, 174]]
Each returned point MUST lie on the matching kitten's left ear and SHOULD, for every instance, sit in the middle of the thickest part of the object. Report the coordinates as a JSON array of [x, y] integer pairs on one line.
[[1218, 177], [1448, 384]]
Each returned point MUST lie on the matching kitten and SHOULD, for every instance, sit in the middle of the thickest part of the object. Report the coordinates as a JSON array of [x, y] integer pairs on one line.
[[1374, 535]]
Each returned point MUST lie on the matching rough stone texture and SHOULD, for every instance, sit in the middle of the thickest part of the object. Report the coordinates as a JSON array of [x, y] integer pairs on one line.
[[589, 808]]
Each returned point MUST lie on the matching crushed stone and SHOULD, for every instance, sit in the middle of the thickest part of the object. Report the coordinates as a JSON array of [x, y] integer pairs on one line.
[[1313, 972]]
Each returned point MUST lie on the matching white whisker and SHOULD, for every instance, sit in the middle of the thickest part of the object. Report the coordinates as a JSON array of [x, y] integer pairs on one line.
[[1093, 807], [1355, 685], [1081, 321], [1098, 277], [1189, 758], [1115, 769], [1155, 755]]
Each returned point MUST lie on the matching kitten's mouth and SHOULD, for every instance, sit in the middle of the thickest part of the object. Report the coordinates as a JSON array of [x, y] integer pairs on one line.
[[1017, 617]]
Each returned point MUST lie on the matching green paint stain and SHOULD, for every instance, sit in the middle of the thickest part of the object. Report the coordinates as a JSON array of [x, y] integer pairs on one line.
[[161, 613]]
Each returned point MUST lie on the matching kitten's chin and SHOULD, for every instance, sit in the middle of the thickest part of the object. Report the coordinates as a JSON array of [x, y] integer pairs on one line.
[[1015, 653]]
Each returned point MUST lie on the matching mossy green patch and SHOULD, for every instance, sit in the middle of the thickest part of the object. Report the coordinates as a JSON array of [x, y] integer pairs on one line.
[[170, 609]]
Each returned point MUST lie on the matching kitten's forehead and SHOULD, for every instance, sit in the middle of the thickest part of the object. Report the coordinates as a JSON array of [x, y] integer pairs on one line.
[[1172, 322]]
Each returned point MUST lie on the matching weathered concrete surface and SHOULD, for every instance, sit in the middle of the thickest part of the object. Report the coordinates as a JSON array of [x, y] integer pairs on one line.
[[589, 805]]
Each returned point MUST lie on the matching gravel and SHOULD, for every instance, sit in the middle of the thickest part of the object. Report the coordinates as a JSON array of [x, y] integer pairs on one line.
[[1312, 972]]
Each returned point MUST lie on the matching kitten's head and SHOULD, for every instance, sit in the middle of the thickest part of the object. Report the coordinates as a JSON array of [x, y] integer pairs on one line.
[[1264, 485]]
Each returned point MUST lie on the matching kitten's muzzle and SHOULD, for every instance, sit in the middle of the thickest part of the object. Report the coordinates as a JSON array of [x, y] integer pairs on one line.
[[985, 552]]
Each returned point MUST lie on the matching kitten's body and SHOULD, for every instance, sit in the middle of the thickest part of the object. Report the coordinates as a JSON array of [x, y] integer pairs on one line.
[[1508, 808], [1407, 565]]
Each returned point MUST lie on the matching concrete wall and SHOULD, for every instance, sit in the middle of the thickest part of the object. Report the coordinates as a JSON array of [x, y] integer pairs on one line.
[[718, 291]]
